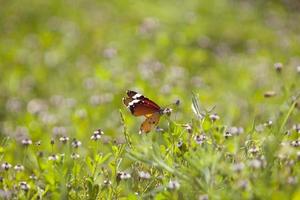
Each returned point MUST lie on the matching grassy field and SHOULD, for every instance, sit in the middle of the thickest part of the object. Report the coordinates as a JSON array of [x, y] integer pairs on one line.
[[234, 66]]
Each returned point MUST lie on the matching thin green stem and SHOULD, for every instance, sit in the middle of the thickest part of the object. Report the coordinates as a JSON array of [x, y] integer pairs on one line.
[[292, 107]]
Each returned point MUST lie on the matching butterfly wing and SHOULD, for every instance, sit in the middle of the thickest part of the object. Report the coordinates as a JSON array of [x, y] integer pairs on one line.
[[140, 105], [132, 95], [141, 108], [129, 98], [150, 122]]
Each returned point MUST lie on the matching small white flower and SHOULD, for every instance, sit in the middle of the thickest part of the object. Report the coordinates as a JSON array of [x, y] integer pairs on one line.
[[214, 117], [268, 123], [159, 130], [253, 150], [107, 182], [26, 142], [227, 134], [33, 177], [173, 185], [69, 185], [6, 166], [179, 144], [235, 130], [19, 168], [144, 175], [99, 132], [296, 127], [188, 127], [97, 135], [24, 186], [53, 157], [123, 175], [200, 138], [295, 143], [64, 139], [278, 66], [167, 111], [75, 156], [76, 143]]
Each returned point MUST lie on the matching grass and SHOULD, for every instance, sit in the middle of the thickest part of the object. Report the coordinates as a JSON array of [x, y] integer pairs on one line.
[[233, 65]]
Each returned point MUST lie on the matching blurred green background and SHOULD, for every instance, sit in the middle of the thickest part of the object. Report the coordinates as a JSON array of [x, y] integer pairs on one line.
[[65, 66], [68, 63]]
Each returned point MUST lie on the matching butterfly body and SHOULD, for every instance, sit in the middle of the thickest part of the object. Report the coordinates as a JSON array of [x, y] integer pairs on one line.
[[139, 105]]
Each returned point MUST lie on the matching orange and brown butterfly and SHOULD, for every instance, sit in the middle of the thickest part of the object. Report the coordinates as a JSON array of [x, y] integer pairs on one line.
[[139, 105]]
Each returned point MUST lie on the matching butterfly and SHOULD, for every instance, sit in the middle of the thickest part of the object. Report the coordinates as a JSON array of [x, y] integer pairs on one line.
[[139, 105]]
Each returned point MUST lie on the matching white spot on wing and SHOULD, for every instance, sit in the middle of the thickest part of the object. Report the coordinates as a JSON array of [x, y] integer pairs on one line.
[[133, 102], [137, 95]]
